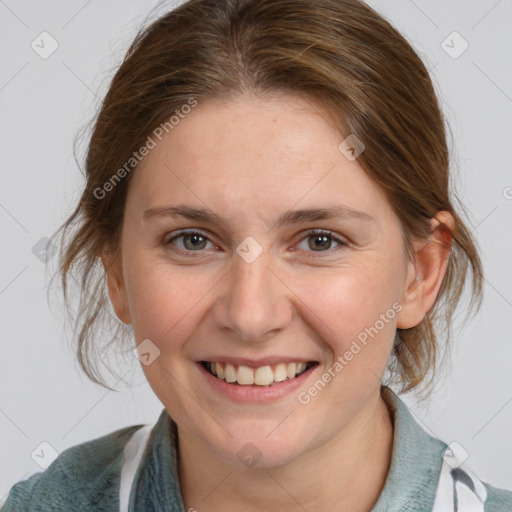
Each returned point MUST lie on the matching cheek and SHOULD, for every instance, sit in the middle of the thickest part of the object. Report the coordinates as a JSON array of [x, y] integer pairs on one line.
[[356, 321], [346, 301], [165, 301]]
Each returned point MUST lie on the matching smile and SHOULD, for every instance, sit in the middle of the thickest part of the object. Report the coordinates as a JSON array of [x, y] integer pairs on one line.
[[266, 375]]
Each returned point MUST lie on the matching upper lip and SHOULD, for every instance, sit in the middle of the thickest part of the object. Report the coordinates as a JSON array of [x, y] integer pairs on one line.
[[256, 363]]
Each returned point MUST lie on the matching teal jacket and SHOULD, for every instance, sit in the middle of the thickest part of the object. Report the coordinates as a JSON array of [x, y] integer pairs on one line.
[[86, 477]]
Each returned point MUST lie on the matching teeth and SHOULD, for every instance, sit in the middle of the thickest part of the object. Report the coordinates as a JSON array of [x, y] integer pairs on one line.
[[230, 373], [219, 371], [262, 376], [291, 370], [280, 374], [244, 375]]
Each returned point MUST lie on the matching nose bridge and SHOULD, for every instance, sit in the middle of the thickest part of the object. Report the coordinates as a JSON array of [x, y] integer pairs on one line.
[[253, 303]]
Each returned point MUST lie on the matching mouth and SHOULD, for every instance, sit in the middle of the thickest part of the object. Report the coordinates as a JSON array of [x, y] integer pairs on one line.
[[262, 376]]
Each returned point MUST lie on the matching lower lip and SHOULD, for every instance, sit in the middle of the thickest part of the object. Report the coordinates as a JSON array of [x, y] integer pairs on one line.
[[254, 393]]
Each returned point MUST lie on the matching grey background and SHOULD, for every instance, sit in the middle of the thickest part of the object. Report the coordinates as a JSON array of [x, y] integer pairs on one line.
[[44, 102]]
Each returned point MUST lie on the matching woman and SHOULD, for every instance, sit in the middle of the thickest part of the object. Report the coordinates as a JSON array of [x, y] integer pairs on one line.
[[267, 198]]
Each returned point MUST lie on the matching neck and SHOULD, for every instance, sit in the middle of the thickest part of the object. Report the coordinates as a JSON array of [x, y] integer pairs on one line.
[[347, 472]]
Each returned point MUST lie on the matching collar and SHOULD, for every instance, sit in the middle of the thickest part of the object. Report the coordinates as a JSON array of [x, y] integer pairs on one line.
[[156, 485], [415, 462], [410, 485]]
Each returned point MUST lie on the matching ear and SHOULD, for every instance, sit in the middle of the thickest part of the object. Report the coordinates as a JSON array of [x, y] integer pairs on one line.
[[116, 287], [425, 274]]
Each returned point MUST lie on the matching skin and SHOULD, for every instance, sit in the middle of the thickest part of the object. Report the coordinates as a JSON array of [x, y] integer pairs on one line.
[[249, 160]]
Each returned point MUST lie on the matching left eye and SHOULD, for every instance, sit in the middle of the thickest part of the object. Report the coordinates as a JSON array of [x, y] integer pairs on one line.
[[320, 241]]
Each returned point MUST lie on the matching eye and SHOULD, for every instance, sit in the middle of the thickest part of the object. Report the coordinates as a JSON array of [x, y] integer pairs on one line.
[[320, 241], [189, 241]]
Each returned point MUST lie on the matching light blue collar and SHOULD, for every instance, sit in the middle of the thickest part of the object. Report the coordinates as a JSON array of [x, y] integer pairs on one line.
[[410, 485], [415, 463]]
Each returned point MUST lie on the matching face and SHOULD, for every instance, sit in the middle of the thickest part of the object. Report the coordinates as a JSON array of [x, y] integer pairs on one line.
[[218, 266]]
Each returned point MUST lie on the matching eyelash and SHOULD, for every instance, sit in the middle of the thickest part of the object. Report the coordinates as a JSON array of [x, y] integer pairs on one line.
[[308, 234]]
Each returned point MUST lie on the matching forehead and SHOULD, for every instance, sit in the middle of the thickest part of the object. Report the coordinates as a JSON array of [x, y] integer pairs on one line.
[[254, 155]]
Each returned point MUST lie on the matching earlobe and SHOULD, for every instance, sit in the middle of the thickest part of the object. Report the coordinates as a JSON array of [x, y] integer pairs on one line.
[[426, 273], [116, 289]]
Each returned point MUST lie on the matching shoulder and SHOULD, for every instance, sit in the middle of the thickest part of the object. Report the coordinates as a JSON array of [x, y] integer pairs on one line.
[[82, 477], [498, 500], [423, 470]]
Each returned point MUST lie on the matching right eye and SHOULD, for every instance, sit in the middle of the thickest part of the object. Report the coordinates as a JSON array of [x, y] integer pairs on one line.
[[188, 241]]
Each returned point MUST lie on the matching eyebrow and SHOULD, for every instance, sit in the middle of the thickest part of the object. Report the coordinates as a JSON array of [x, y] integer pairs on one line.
[[288, 218]]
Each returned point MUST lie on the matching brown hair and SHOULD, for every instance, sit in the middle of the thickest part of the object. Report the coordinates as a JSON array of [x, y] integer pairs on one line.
[[340, 53]]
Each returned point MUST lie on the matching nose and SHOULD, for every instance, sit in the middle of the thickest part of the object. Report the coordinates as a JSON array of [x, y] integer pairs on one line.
[[254, 303]]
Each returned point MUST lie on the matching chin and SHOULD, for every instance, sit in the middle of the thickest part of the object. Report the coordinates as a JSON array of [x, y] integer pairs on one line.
[[259, 448]]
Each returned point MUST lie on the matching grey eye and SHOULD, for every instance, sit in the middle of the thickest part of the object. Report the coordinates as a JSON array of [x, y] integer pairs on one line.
[[319, 242], [189, 241]]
